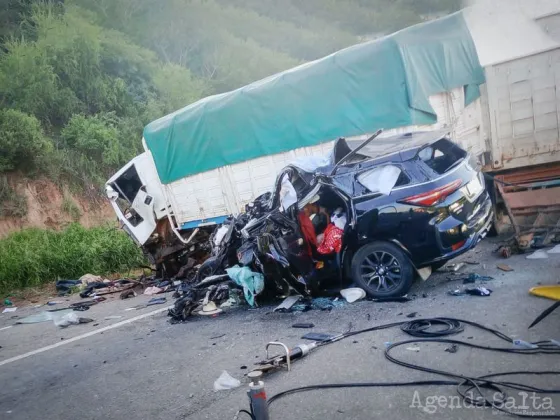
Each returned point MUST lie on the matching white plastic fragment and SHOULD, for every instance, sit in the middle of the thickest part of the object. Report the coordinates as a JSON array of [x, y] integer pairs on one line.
[[555, 250], [69, 319], [226, 381], [537, 255]]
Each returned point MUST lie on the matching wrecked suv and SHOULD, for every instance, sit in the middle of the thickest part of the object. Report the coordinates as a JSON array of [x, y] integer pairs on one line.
[[410, 203]]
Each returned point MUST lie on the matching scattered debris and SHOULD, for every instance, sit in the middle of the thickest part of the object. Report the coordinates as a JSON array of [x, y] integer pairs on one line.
[[70, 319], [456, 292], [455, 267], [65, 287], [54, 302], [478, 291], [537, 255], [353, 294], [416, 349], [303, 325], [217, 336], [323, 304], [521, 344], [550, 292], [209, 309], [412, 315], [470, 262], [504, 251], [399, 299], [8, 302], [452, 348], [153, 290], [156, 301], [251, 282], [225, 381], [504, 267], [7, 310], [545, 313], [113, 317], [555, 250], [127, 294], [473, 277]]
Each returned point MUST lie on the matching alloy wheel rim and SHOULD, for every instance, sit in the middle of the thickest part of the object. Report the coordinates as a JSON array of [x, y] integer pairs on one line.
[[381, 271]]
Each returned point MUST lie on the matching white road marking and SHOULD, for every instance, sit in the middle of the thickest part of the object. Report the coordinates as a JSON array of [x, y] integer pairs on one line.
[[79, 337]]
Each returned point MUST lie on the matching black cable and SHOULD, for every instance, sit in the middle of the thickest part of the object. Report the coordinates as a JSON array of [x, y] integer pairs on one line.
[[431, 330]]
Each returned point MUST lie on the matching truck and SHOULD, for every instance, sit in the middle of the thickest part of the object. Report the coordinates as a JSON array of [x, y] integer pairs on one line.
[[210, 159]]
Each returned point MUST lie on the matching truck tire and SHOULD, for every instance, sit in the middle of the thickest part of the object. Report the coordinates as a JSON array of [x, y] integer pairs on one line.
[[382, 269]]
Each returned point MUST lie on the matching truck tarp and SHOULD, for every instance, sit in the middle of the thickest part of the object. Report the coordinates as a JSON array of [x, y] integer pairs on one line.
[[383, 83]]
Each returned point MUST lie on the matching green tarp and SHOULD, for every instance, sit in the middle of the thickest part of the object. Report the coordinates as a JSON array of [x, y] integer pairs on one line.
[[378, 84]]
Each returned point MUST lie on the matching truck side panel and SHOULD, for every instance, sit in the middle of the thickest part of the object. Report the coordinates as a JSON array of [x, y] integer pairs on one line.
[[524, 107]]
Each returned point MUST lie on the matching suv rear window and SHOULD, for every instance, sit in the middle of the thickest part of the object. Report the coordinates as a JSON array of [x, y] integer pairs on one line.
[[442, 156]]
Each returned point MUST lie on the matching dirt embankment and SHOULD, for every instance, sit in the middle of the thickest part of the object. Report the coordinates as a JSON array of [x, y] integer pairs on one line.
[[49, 206]]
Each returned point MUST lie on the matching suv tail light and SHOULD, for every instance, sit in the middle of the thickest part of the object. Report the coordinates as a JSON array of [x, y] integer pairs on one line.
[[433, 197]]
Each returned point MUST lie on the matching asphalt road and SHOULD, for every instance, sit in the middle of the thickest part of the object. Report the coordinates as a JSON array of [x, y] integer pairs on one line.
[[146, 368]]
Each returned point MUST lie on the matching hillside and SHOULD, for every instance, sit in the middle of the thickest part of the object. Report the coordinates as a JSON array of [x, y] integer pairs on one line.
[[79, 79]]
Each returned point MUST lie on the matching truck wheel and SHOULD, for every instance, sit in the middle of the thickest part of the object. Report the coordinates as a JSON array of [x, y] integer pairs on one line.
[[207, 269], [382, 269]]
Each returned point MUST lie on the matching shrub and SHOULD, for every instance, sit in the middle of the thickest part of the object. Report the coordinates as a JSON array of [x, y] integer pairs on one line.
[[11, 203], [22, 143], [35, 256]]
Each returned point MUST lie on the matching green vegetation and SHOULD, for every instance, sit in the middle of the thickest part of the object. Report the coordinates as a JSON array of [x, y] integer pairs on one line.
[[79, 79], [70, 207], [34, 256], [11, 203]]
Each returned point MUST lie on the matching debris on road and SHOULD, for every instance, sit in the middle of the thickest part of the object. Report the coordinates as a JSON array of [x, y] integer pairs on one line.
[[225, 381], [156, 301], [504, 267], [303, 325], [8, 302], [287, 303], [8, 310], [353, 294], [251, 282], [550, 292], [455, 267], [398, 299], [113, 317], [322, 304], [209, 309], [472, 278], [416, 349], [478, 291], [537, 255], [65, 287], [412, 315], [452, 348], [70, 319], [555, 250], [127, 294]]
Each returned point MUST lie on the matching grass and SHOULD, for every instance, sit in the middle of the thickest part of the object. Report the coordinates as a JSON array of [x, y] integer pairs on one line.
[[12, 204], [33, 257], [70, 207]]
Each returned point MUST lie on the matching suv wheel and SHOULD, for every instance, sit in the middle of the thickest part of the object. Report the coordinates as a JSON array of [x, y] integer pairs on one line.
[[382, 269]]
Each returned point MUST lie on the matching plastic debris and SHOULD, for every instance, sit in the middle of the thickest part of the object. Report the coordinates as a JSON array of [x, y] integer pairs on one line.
[[287, 303], [252, 283], [416, 349], [225, 381], [353, 294], [537, 255], [478, 291], [69, 319], [7, 310], [555, 250], [521, 344]]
